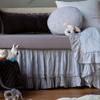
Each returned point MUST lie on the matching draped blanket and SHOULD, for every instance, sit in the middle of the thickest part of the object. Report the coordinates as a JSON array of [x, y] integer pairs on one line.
[[86, 48], [10, 76]]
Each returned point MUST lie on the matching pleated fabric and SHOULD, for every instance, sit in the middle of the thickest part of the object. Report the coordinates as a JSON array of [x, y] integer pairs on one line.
[[45, 69], [86, 48]]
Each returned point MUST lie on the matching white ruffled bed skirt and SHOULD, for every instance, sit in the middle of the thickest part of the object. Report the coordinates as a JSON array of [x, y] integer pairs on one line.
[[44, 69]]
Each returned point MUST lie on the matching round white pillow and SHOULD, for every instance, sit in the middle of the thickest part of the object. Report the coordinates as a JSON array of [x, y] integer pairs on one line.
[[69, 15]]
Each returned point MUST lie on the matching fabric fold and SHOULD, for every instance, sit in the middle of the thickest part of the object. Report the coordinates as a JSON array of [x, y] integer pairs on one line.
[[86, 48], [86, 45], [52, 82], [45, 69]]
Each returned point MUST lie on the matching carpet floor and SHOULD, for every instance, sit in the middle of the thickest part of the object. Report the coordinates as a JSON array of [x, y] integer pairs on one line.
[[86, 97]]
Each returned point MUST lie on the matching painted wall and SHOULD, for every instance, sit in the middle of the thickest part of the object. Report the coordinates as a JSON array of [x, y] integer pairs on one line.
[[26, 3]]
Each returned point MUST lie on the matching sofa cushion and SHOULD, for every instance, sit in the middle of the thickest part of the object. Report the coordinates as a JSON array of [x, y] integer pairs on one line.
[[90, 11], [70, 15], [41, 23], [36, 41], [24, 23]]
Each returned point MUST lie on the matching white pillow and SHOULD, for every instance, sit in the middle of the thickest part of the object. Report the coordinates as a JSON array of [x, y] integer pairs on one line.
[[90, 11], [58, 17]]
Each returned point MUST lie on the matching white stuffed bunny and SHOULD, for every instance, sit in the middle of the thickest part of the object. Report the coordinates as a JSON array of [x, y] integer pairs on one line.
[[14, 52], [71, 29]]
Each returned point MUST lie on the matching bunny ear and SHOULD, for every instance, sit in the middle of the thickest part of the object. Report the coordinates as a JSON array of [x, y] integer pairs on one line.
[[77, 29], [17, 46], [65, 24], [14, 45]]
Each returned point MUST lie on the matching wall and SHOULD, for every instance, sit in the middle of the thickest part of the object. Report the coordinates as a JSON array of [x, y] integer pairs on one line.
[[25, 3]]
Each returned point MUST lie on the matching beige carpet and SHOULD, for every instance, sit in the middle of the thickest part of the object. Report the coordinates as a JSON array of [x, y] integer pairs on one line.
[[86, 97]]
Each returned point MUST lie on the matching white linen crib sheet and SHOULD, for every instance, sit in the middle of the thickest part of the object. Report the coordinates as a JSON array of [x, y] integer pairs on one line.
[[43, 69]]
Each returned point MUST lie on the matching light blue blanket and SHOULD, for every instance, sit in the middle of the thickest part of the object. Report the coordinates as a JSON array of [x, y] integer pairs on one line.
[[86, 45], [86, 48]]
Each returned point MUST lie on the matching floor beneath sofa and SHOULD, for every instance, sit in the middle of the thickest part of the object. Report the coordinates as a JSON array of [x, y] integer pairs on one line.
[[57, 93]]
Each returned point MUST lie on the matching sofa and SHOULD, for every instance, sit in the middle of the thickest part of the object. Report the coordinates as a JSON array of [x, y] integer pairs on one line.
[[46, 60]]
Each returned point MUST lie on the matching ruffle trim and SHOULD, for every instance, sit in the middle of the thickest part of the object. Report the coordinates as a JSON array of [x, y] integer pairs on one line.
[[90, 69], [91, 62], [90, 76], [93, 79], [51, 82], [83, 58], [89, 58]]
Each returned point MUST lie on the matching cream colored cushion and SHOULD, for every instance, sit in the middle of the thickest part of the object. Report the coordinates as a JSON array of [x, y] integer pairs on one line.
[[89, 9]]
